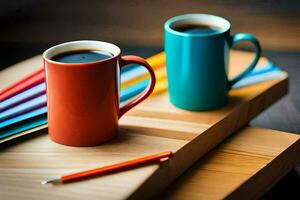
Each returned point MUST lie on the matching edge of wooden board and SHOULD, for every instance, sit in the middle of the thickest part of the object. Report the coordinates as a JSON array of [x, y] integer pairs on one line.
[[274, 167], [239, 172], [190, 153]]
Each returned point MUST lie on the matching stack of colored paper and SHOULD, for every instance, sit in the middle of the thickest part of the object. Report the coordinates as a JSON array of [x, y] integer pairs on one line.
[[23, 105]]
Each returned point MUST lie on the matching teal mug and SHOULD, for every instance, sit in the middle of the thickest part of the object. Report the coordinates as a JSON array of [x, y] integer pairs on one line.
[[197, 54]]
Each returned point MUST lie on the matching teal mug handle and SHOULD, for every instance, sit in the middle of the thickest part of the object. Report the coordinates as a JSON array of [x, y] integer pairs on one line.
[[245, 37]]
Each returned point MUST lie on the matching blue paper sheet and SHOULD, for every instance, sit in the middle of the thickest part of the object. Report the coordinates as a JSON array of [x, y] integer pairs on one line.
[[19, 123]]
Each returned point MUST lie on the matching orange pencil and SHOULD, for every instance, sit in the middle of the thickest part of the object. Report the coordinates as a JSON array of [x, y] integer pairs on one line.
[[110, 168]]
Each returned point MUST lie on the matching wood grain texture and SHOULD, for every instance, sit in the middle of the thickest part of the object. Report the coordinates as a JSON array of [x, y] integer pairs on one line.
[[23, 167], [153, 126], [243, 167]]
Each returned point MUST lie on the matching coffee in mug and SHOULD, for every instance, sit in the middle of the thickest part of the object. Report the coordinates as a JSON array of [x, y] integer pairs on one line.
[[197, 54], [197, 28], [82, 86], [82, 56]]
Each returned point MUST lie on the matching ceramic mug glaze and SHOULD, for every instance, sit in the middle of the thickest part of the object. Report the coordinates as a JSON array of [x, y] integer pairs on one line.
[[83, 98], [197, 63]]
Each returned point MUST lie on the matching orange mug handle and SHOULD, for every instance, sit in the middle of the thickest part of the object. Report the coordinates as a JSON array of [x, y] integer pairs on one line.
[[125, 60]]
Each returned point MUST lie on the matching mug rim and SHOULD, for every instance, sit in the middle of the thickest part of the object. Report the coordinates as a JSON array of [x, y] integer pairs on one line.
[[80, 45], [225, 24]]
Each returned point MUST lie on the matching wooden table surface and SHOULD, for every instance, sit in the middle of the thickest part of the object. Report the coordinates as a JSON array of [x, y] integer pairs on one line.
[[283, 115], [153, 126], [244, 166]]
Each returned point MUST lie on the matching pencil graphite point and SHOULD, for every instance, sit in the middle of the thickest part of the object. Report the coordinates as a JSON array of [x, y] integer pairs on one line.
[[51, 180]]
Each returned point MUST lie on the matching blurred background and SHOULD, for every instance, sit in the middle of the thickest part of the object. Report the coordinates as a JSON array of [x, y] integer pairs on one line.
[[28, 27]]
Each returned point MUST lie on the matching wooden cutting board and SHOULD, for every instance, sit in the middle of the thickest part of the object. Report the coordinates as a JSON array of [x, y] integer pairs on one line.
[[245, 166], [152, 127]]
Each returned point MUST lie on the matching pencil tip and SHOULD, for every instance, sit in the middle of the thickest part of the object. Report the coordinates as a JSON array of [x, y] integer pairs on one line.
[[50, 180]]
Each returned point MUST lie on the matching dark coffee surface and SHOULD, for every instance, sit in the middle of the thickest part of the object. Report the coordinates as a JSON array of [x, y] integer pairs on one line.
[[197, 29], [82, 56]]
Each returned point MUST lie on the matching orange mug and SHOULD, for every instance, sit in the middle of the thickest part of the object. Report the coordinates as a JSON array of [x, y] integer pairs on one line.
[[83, 98]]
